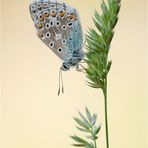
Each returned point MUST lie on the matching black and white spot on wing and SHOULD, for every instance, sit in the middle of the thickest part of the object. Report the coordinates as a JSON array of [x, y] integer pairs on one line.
[[70, 24], [60, 49], [48, 34], [64, 41], [47, 26], [33, 9], [64, 27], [51, 44], [51, 23], [45, 5], [57, 24]]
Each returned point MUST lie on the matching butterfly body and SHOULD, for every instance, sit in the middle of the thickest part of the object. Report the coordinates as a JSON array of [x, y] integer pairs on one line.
[[58, 26]]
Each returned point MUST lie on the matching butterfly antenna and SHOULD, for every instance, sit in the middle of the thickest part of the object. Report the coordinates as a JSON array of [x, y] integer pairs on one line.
[[84, 43], [60, 81]]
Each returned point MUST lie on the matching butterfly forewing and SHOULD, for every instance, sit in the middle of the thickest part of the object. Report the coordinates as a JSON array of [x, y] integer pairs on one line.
[[58, 26]]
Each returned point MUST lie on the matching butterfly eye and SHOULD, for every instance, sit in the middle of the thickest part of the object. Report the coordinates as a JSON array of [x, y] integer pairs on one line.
[[70, 24], [64, 27], [41, 17], [70, 39], [48, 35], [51, 44], [53, 13], [47, 26], [60, 49], [46, 14], [61, 13]]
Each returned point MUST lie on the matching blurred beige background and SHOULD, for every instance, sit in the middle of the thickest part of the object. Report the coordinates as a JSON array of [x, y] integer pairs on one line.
[[33, 116]]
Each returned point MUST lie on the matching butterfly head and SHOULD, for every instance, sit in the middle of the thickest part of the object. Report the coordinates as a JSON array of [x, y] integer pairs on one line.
[[65, 66], [74, 61]]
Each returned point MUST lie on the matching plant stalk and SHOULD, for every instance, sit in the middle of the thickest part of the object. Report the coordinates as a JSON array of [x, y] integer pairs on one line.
[[95, 143], [106, 113]]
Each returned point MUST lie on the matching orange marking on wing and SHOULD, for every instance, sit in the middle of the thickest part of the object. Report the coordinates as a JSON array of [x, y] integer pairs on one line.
[[53, 13], [39, 26], [72, 16], [41, 17], [61, 13], [46, 14]]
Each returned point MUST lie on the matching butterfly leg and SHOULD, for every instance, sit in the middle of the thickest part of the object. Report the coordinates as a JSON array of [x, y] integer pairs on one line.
[[84, 43], [80, 68], [82, 62]]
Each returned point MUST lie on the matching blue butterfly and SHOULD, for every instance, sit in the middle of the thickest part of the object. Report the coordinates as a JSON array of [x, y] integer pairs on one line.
[[58, 26]]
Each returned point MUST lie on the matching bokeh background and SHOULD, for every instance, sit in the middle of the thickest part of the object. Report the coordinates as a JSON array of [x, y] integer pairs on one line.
[[33, 116]]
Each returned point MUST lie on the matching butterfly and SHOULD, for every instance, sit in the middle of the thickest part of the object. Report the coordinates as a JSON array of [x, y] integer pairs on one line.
[[58, 26]]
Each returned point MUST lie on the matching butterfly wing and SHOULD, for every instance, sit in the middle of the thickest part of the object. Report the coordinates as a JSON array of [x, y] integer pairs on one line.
[[58, 26], [75, 33]]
